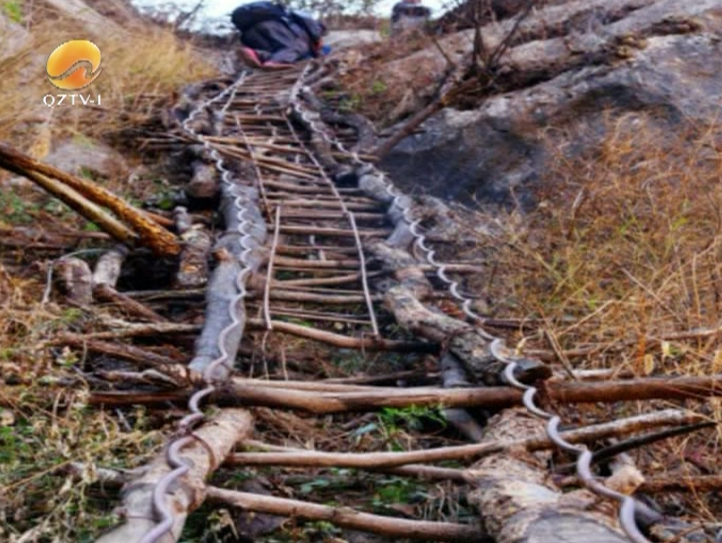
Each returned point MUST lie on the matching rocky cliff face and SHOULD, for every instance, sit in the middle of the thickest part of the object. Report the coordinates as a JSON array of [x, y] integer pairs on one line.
[[572, 70]]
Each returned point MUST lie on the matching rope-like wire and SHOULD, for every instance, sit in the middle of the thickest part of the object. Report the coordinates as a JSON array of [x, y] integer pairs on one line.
[[403, 203], [175, 460]]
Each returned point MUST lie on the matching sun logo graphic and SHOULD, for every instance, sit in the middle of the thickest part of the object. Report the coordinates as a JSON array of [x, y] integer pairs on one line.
[[74, 64]]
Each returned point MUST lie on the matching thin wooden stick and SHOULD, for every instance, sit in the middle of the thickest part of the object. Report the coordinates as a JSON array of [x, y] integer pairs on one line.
[[337, 232], [127, 352], [282, 456], [638, 441], [346, 342], [105, 293], [346, 517], [269, 273], [682, 483], [126, 330]]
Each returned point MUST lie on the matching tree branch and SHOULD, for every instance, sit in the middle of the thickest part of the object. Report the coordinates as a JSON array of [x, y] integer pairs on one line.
[[346, 517]]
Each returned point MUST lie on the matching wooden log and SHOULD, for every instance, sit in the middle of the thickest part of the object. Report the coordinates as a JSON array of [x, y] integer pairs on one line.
[[76, 280], [674, 388], [182, 220], [150, 234], [518, 503], [73, 199], [466, 342], [225, 318], [108, 268], [215, 439], [322, 148], [364, 129], [193, 263], [346, 517], [453, 376], [204, 183]]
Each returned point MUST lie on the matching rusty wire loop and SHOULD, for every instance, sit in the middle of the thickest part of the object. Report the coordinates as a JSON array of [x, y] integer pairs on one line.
[[403, 203]]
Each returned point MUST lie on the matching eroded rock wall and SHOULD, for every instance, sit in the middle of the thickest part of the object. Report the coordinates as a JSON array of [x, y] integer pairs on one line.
[[658, 61]]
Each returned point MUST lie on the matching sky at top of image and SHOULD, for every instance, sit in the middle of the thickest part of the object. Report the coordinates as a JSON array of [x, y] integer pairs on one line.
[[218, 11]]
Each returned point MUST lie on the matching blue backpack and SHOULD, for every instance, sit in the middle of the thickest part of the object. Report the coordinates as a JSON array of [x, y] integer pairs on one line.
[[247, 15], [313, 28]]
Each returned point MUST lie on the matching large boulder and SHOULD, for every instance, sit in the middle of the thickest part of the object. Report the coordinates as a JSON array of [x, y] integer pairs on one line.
[[662, 62]]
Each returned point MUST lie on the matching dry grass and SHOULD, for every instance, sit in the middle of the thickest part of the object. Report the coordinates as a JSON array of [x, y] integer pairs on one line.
[[143, 66], [621, 264], [624, 249], [361, 88], [45, 423]]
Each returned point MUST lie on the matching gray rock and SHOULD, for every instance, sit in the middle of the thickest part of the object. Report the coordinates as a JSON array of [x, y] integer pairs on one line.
[[82, 156], [13, 38], [345, 39], [668, 73]]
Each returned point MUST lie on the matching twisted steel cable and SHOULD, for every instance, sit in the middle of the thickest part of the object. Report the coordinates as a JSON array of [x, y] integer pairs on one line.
[[247, 244], [403, 203], [185, 427]]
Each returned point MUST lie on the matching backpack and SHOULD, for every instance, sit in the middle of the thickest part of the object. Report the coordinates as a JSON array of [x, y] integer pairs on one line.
[[247, 15], [313, 28]]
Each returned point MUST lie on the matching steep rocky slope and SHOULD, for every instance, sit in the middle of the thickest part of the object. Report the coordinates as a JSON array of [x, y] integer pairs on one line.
[[571, 70]]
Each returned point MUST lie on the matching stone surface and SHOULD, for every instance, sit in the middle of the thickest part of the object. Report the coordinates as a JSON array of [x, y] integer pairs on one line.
[[666, 69], [81, 157], [13, 38], [345, 39], [83, 13]]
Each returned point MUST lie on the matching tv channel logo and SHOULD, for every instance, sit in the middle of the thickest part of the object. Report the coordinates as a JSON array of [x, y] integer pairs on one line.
[[74, 65]]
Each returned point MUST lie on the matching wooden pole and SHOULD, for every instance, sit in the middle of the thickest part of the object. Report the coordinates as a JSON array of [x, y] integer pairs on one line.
[[283, 456], [80, 205], [671, 388], [346, 517], [215, 439], [151, 234]]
